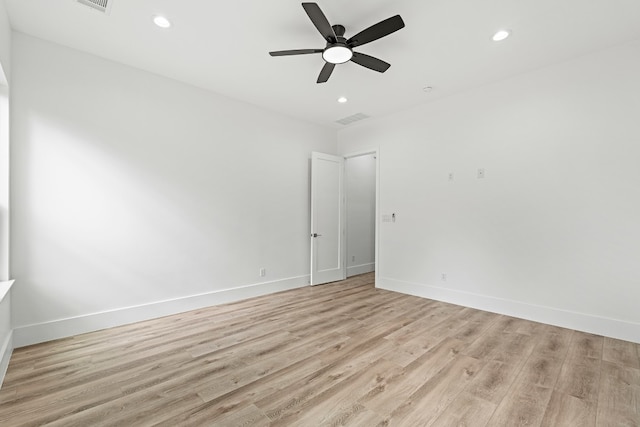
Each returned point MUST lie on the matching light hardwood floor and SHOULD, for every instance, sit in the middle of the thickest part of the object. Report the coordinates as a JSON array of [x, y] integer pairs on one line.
[[338, 354]]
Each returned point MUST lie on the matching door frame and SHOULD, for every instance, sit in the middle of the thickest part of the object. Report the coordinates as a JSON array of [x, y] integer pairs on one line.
[[376, 237]]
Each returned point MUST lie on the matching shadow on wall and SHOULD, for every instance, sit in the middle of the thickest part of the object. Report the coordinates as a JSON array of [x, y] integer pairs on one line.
[[132, 189]]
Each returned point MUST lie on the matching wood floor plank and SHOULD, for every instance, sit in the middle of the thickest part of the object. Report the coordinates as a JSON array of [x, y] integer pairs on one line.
[[412, 345], [249, 416], [580, 377], [408, 352], [542, 370], [431, 399], [569, 411], [214, 415], [466, 410], [554, 343], [494, 380], [619, 395], [474, 315], [344, 353], [586, 345], [621, 352], [439, 317], [525, 406], [353, 358], [472, 330], [526, 400], [496, 343], [513, 346], [418, 372], [339, 403], [259, 365]]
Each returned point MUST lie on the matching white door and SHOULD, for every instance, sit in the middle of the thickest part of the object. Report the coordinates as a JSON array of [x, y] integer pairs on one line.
[[327, 219]]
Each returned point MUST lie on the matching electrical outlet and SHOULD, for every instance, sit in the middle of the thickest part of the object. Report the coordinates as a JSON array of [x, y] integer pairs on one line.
[[480, 173], [444, 277], [262, 272], [450, 176], [353, 258]]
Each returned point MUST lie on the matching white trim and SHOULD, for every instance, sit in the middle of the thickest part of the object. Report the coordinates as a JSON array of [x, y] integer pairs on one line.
[[360, 269], [47, 331], [5, 356], [5, 329], [4, 288], [360, 153], [599, 325]]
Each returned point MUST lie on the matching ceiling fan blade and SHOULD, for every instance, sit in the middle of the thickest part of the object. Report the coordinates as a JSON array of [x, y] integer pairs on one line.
[[320, 21], [295, 52], [370, 62], [325, 73], [376, 31]]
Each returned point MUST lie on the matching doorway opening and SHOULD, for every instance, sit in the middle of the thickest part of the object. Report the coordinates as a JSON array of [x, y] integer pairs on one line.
[[361, 184]]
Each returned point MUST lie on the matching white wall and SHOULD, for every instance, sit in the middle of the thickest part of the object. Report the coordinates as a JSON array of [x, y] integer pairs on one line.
[[552, 232], [136, 196], [4, 180], [5, 43], [6, 341], [361, 209], [5, 67]]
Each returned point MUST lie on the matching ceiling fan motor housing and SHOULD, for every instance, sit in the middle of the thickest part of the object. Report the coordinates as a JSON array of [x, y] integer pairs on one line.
[[339, 30]]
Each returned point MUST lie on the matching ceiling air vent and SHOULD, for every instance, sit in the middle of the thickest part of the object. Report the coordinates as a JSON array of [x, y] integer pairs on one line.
[[103, 6], [351, 119]]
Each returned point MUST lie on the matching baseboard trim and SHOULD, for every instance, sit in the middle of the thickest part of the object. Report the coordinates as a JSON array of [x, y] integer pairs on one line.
[[613, 328], [7, 349], [47, 331], [360, 269]]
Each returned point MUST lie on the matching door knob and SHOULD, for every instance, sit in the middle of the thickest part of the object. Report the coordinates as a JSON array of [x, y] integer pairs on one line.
[[316, 235]]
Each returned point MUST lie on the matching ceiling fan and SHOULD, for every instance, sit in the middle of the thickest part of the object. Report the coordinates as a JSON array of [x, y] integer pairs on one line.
[[340, 50]]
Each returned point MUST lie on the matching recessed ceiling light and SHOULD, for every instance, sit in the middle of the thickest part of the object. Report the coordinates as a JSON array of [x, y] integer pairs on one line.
[[161, 21], [501, 35], [342, 100]]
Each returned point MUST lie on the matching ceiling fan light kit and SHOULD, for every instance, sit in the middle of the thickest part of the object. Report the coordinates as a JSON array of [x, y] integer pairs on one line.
[[337, 54], [339, 49]]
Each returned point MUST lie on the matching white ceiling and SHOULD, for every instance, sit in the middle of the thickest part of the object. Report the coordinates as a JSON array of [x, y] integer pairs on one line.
[[223, 46]]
